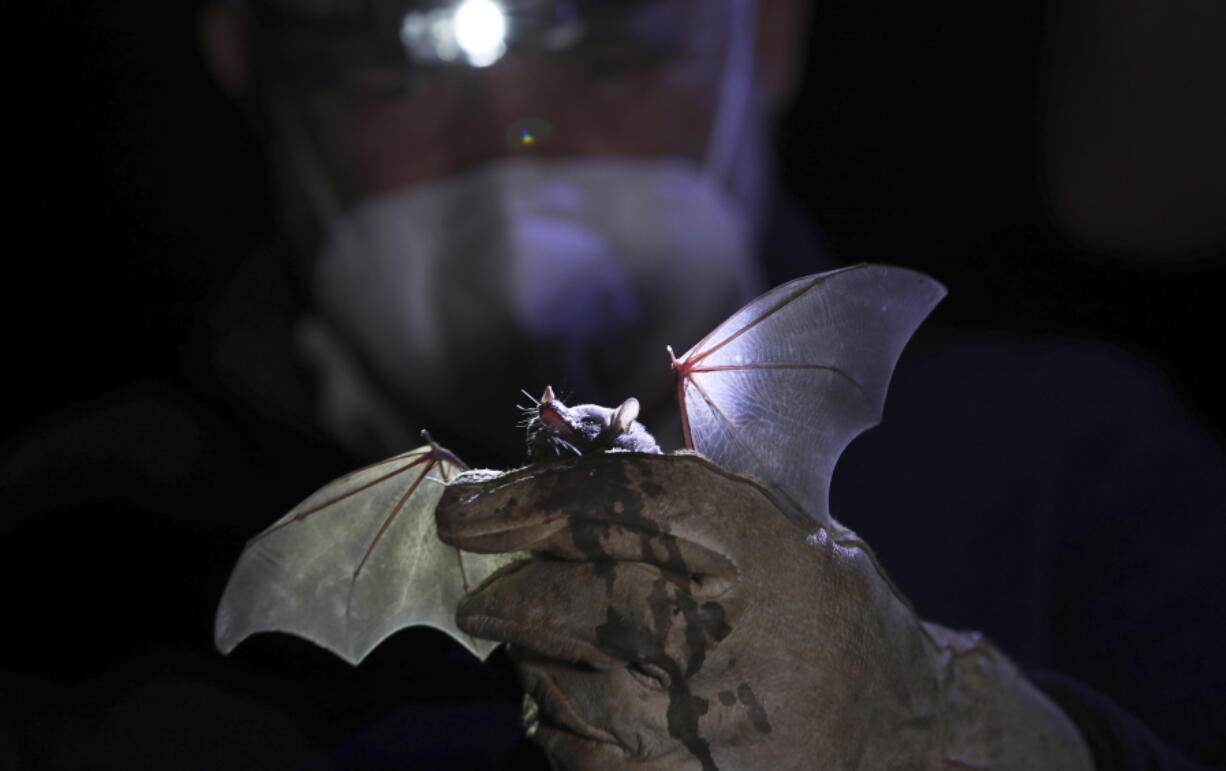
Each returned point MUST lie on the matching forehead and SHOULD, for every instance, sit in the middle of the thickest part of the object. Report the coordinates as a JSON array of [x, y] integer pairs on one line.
[[641, 80], [324, 35], [592, 410], [370, 14]]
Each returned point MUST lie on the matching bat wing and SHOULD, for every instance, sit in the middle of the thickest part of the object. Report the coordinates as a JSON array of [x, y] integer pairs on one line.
[[783, 386], [356, 561]]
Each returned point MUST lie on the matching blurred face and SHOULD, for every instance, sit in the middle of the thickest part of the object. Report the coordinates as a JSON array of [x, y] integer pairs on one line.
[[645, 81], [455, 286]]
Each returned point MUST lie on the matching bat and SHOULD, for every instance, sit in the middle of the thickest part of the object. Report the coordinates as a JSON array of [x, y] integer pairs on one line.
[[556, 429], [776, 392]]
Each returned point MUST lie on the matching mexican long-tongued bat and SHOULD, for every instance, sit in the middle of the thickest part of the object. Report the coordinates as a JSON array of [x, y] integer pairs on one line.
[[555, 429], [777, 392]]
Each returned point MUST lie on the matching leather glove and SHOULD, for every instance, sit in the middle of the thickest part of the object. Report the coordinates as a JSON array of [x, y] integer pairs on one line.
[[672, 615]]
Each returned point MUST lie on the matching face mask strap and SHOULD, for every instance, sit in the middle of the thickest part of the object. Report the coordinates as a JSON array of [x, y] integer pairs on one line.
[[304, 160], [726, 131], [287, 126]]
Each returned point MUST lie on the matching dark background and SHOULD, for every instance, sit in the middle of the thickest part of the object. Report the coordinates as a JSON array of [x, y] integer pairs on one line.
[[139, 190]]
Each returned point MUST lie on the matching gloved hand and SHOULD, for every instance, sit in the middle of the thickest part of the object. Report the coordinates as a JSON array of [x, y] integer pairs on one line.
[[672, 615]]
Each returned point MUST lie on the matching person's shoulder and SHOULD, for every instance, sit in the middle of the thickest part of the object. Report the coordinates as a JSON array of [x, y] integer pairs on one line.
[[134, 445], [156, 449], [1077, 380], [1077, 413]]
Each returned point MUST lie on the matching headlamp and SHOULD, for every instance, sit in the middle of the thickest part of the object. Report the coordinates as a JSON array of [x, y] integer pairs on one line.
[[473, 33], [474, 29]]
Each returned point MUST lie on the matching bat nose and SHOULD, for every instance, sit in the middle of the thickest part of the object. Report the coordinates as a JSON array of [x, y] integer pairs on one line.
[[550, 416]]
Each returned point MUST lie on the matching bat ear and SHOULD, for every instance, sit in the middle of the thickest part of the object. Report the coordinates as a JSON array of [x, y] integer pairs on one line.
[[624, 415]]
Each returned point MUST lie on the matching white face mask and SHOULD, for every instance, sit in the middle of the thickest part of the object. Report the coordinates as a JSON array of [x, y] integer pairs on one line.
[[574, 273], [569, 272]]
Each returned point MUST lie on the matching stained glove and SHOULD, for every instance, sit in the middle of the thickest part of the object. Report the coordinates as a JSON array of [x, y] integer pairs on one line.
[[667, 614]]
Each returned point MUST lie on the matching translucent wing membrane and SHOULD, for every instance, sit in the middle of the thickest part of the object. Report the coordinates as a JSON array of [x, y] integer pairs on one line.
[[783, 386], [356, 561]]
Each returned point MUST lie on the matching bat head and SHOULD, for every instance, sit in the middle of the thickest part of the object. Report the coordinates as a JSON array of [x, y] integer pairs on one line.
[[555, 429]]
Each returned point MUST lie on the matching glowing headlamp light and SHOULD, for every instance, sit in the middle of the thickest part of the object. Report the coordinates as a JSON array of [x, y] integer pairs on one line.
[[471, 31], [324, 34], [478, 32]]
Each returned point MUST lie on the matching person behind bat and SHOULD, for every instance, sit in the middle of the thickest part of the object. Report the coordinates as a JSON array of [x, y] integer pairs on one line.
[[590, 181], [478, 197]]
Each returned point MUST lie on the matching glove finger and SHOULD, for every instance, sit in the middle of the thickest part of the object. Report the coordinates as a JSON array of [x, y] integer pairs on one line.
[[585, 718], [681, 512], [606, 615]]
